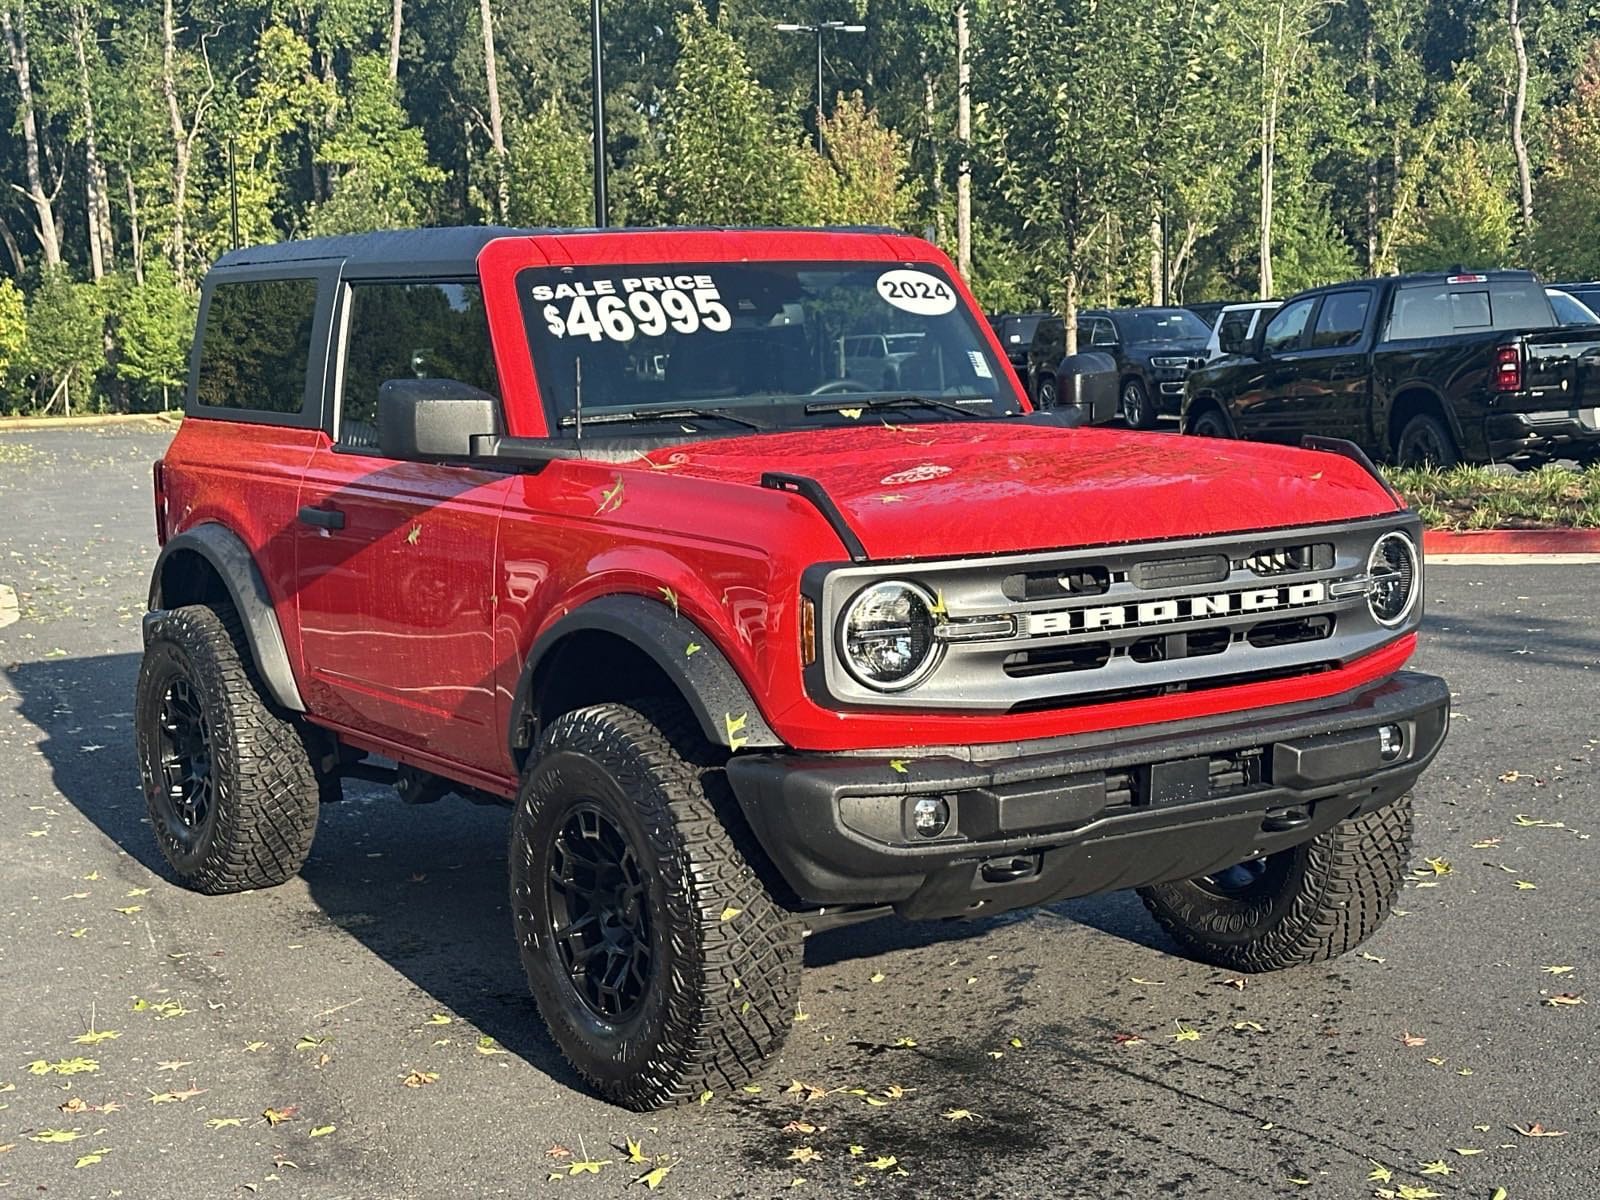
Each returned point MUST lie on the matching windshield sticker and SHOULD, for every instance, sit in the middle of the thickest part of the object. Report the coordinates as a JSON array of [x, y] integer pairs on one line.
[[916, 292], [980, 365], [619, 309]]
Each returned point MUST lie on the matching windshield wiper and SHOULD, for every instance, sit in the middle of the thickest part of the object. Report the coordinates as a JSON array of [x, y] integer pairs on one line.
[[882, 402], [657, 414]]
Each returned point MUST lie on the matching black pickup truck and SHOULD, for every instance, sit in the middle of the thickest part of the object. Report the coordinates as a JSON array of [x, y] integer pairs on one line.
[[1428, 368]]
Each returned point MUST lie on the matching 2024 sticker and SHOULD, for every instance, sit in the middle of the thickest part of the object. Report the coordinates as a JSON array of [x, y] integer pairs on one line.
[[916, 292]]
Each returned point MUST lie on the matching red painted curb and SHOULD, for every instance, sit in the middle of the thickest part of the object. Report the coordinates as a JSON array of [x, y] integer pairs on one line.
[[1512, 541]]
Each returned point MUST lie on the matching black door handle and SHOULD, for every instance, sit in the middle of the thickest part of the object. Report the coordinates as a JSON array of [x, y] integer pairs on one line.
[[326, 518]]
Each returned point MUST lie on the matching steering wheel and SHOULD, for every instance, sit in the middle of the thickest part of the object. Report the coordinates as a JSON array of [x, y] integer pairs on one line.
[[835, 387]]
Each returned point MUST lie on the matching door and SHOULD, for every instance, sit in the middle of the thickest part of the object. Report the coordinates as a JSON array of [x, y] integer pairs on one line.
[[395, 561], [1331, 394], [1263, 408]]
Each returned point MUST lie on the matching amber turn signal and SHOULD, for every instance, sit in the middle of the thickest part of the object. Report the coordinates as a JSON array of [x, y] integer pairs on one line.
[[808, 631]]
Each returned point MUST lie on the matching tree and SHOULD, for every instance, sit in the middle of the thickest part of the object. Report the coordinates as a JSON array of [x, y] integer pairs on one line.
[[65, 346], [1565, 242], [726, 156], [385, 179], [14, 28], [154, 324], [13, 327], [1468, 219], [551, 176], [860, 177]]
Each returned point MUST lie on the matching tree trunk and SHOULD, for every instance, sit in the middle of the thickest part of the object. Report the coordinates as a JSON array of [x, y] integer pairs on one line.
[[1518, 110], [1158, 284], [97, 203], [1069, 313], [43, 201], [936, 163], [135, 232], [963, 141], [1269, 149], [1368, 58], [502, 197], [19, 265], [396, 18], [180, 144]]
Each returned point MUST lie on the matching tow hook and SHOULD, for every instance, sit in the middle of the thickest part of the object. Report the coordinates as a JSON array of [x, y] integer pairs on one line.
[[1010, 868], [1285, 820]]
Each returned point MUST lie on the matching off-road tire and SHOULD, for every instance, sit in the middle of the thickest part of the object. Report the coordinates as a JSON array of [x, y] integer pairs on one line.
[[1425, 442], [1212, 424], [1327, 897], [263, 811], [1137, 411], [725, 957]]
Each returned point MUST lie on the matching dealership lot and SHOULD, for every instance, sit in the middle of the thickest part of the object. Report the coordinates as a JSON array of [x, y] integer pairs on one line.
[[376, 1008]]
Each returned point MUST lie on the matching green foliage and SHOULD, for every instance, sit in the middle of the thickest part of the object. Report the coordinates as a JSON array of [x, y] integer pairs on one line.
[[66, 336], [13, 326], [1468, 218], [551, 172], [727, 157], [154, 322], [860, 178], [385, 177], [1567, 240]]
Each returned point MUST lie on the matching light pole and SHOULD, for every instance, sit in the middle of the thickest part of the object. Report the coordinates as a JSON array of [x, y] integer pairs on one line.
[[597, 86], [819, 28]]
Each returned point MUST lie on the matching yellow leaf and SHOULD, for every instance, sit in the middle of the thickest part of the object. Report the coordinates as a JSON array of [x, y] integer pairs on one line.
[[1467, 1151], [1379, 1172], [1146, 982], [636, 1152], [311, 1043], [853, 413], [1298, 1181], [322, 1131], [874, 1101], [857, 1151], [487, 1045], [1524, 886], [692, 649], [731, 912], [1563, 999], [1538, 1130], [653, 1178], [587, 1166], [1439, 866], [1185, 1034], [1437, 1167], [254, 1047], [438, 1019], [937, 608], [92, 876], [55, 1135], [803, 1154], [277, 1116], [420, 1079], [898, 766], [1555, 970], [1016, 1043], [611, 498], [96, 1036], [905, 1043], [89, 1159], [705, 1098], [734, 725], [131, 909], [225, 1123], [1254, 1026], [753, 1089], [78, 933], [137, 892], [876, 977], [414, 535], [1411, 1192], [883, 1162], [957, 1114], [1500, 1194], [671, 597]]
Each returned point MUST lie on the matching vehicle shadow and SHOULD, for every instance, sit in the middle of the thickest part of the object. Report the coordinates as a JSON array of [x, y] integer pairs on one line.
[[421, 888]]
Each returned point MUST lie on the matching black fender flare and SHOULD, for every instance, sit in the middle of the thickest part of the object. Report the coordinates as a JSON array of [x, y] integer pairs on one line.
[[1419, 386], [236, 567], [715, 693], [1203, 401]]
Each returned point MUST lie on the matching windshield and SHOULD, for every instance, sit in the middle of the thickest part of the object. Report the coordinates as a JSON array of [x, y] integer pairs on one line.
[[1161, 325], [1570, 310], [769, 345]]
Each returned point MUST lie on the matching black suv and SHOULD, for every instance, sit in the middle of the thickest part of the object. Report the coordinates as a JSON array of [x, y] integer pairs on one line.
[[1015, 331], [1153, 349]]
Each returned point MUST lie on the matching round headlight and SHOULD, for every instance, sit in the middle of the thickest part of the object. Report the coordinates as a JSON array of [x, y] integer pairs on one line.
[[886, 636], [1393, 568]]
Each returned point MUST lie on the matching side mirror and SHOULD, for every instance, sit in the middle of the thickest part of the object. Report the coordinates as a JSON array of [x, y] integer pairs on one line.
[[433, 418]]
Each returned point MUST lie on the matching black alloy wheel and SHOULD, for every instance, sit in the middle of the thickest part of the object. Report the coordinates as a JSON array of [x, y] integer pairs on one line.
[[1045, 396], [188, 791], [1136, 410], [1425, 442], [599, 914]]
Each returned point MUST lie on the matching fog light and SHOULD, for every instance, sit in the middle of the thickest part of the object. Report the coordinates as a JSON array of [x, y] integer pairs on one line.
[[1391, 742], [930, 816]]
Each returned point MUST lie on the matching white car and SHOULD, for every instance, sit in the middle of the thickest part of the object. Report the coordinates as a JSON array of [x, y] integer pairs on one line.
[[875, 358], [1569, 309], [1236, 325]]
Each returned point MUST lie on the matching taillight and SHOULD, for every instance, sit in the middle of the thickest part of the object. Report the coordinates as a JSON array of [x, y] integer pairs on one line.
[[161, 503], [1507, 369]]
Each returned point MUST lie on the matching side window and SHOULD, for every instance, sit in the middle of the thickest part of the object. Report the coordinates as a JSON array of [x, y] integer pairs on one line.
[[256, 345], [409, 331], [1104, 334], [1287, 326], [1234, 330], [1342, 319]]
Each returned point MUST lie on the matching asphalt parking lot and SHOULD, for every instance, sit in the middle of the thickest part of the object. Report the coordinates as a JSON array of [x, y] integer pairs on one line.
[[376, 1009]]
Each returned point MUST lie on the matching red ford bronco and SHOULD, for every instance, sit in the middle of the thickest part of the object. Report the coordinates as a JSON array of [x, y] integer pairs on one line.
[[756, 625]]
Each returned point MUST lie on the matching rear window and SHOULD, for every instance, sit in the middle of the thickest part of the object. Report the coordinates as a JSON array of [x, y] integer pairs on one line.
[[256, 345], [1440, 308], [410, 331]]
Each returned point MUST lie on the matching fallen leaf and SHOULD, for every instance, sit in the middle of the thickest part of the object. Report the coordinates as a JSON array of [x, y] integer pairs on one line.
[[957, 1114], [1253, 1026], [1486, 843], [311, 1043], [225, 1123], [1437, 1167], [898, 766], [55, 1135], [1524, 886], [1538, 1130], [1146, 982], [730, 913], [558, 1153], [1237, 983], [95, 1036], [1379, 1172], [131, 909], [254, 1047], [438, 1019], [1439, 866], [587, 1166], [653, 1178], [1410, 1039], [1127, 1039], [137, 892], [705, 1097], [487, 1045], [1555, 970], [883, 1162], [277, 1116], [876, 977], [420, 1079], [75, 1105], [1467, 1151], [64, 1066], [322, 1131], [1564, 998], [1184, 1034], [1500, 1194], [803, 1154], [1372, 957], [89, 1159], [414, 535], [803, 1127]]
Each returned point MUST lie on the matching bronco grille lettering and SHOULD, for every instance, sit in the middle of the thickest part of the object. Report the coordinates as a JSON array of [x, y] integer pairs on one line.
[[1177, 608]]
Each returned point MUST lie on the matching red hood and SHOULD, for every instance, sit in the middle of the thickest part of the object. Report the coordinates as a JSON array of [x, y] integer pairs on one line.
[[947, 490]]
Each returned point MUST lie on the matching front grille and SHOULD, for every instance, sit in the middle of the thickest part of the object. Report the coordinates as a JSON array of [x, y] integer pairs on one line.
[[1025, 633]]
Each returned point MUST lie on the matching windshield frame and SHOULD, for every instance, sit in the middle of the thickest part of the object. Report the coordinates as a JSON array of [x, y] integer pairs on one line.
[[1004, 398]]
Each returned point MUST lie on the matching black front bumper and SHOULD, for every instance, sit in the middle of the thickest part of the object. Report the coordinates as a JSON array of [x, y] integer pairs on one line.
[[1032, 823]]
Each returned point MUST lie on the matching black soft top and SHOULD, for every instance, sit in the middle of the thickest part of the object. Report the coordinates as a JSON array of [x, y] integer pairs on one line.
[[451, 250]]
